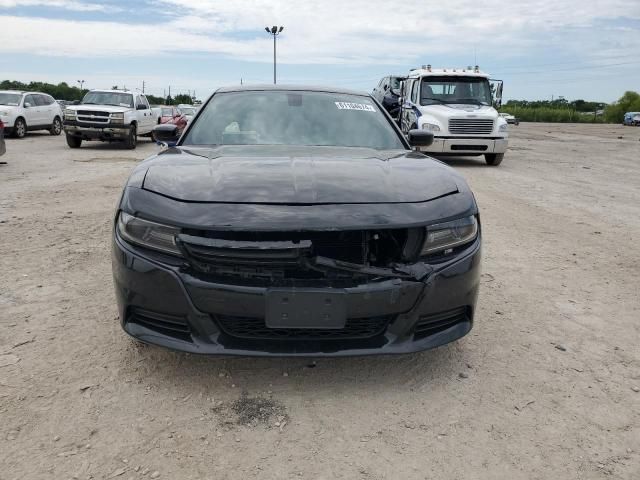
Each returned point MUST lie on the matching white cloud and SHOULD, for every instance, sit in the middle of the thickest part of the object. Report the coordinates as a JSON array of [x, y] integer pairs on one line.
[[73, 5], [336, 31]]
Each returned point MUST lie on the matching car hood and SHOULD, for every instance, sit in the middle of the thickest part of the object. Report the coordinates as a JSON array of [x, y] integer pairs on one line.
[[100, 108], [279, 175]]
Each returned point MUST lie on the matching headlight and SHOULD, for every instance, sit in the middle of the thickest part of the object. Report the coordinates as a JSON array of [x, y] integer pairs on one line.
[[431, 127], [148, 234], [69, 113], [4, 113], [443, 237], [503, 127], [117, 117]]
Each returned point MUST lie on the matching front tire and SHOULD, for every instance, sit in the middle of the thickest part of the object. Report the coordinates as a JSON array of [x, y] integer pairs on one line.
[[493, 159], [56, 127], [74, 142], [132, 140], [20, 128]]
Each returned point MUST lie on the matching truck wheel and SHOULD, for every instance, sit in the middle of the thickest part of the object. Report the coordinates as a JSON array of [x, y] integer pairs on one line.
[[132, 139], [493, 159], [20, 128], [56, 127], [74, 142]]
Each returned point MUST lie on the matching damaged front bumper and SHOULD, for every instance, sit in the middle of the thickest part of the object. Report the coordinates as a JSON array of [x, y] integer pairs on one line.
[[402, 309]]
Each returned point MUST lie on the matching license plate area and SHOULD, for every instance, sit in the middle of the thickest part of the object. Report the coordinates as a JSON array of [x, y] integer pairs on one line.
[[317, 309]]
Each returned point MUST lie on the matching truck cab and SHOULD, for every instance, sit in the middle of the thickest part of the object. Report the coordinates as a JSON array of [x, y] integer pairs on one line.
[[459, 107], [110, 116]]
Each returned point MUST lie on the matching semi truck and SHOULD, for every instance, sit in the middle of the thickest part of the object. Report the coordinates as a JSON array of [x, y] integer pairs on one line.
[[459, 106]]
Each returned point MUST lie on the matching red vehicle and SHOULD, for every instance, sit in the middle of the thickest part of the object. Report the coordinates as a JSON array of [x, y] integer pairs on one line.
[[173, 116]]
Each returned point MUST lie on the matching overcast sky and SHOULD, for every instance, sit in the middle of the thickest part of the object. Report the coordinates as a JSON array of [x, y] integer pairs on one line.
[[575, 48]]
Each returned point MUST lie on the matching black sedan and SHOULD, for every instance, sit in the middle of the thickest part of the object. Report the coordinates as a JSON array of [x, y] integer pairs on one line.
[[295, 221]]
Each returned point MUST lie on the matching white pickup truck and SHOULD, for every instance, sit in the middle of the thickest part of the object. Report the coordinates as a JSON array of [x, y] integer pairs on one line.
[[110, 116], [459, 107]]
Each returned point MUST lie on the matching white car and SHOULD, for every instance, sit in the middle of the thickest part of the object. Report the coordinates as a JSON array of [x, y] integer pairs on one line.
[[189, 111], [110, 116], [511, 119], [27, 111]]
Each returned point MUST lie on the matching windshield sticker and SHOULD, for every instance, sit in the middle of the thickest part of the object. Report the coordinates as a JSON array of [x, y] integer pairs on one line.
[[355, 106]]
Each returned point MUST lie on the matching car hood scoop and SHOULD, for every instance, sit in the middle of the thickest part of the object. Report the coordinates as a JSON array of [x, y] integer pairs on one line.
[[297, 175]]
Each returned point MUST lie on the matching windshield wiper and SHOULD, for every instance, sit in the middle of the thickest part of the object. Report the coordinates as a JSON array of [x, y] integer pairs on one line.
[[471, 101], [436, 100]]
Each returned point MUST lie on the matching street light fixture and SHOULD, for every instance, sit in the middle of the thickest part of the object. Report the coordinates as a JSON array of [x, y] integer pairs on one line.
[[81, 82], [275, 31]]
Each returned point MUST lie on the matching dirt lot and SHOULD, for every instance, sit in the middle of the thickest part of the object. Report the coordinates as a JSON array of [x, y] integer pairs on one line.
[[546, 386]]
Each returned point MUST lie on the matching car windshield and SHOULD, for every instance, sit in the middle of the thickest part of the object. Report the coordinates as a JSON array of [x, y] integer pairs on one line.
[[188, 111], [108, 98], [469, 90], [10, 99], [292, 118]]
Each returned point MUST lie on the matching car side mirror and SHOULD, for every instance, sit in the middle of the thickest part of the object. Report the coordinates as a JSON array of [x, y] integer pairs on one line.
[[27, 105], [141, 106], [166, 133], [420, 138]]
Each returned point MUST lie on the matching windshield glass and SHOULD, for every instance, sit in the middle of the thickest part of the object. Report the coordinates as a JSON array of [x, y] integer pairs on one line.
[[395, 83], [109, 98], [11, 99], [475, 91], [292, 118], [188, 111]]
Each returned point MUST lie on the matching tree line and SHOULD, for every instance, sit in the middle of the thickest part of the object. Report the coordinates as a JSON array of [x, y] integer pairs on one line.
[[64, 91], [578, 111]]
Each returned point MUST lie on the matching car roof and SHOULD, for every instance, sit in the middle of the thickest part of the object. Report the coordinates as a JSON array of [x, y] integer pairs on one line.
[[289, 88], [24, 92]]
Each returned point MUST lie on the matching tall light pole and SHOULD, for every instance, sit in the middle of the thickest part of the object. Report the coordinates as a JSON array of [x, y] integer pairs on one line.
[[275, 31], [81, 82]]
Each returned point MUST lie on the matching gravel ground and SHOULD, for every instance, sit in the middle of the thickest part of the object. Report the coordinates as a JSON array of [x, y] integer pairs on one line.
[[546, 386]]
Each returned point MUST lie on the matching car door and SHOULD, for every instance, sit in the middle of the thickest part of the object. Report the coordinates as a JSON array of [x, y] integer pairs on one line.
[[31, 110], [143, 114], [48, 109], [410, 98]]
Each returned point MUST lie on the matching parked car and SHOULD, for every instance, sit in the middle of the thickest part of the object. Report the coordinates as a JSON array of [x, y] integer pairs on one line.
[[387, 92], [512, 120], [631, 118], [22, 112], [189, 111], [3, 147], [172, 116], [295, 221], [110, 116]]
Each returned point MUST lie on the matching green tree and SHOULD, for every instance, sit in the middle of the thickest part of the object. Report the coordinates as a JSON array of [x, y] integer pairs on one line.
[[629, 102]]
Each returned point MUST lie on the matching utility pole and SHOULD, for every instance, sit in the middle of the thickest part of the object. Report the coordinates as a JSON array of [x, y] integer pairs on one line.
[[142, 86], [275, 31], [81, 82], [169, 97]]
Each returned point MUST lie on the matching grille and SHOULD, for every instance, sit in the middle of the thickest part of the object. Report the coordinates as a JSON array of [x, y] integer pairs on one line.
[[471, 126], [255, 328], [169, 325], [92, 112], [93, 116], [434, 323]]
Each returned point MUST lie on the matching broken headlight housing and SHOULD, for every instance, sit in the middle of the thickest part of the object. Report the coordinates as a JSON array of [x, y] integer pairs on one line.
[[442, 238], [148, 234]]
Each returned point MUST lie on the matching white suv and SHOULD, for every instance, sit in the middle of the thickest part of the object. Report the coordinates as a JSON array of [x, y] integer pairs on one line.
[[26, 111]]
